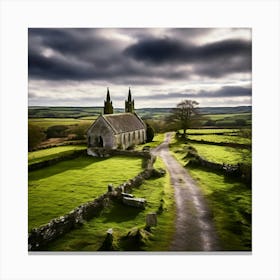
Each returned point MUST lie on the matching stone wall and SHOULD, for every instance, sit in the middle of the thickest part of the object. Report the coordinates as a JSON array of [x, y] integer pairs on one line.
[[233, 145], [40, 237], [50, 162], [227, 169]]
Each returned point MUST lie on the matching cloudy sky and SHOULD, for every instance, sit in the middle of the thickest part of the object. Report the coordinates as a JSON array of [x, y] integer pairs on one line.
[[74, 67]]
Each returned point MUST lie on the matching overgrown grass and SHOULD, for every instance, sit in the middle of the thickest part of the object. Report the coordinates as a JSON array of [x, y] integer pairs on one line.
[[229, 200], [46, 154], [53, 191], [123, 219]]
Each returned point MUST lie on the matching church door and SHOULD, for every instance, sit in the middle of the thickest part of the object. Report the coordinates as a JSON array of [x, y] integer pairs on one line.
[[100, 142]]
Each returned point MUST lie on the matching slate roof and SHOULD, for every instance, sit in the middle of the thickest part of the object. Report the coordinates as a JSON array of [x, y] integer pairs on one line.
[[124, 122]]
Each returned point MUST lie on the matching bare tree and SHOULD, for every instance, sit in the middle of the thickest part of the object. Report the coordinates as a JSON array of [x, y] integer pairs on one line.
[[184, 114]]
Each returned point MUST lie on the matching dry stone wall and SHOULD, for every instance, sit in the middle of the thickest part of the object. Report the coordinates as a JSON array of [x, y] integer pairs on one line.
[[50, 162], [228, 169]]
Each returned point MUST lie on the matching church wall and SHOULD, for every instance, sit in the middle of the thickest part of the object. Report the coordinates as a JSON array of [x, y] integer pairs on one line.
[[129, 139], [101, 135]]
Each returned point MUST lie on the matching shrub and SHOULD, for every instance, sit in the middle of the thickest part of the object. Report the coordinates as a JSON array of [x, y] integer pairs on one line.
[[57, 131], [150, 133], [240, 122], [35, 136]]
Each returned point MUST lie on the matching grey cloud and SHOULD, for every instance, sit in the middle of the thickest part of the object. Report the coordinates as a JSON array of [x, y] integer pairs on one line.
[[224, 92], [86, 54], [214, 59]]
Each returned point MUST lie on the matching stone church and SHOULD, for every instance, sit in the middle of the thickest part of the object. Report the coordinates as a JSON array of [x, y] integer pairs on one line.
[[117, 131]]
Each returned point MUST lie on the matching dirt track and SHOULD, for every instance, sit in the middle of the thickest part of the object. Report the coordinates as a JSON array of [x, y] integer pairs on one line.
[[194, 227]]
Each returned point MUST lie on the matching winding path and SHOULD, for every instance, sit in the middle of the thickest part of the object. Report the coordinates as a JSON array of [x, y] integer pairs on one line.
[[194, 227]]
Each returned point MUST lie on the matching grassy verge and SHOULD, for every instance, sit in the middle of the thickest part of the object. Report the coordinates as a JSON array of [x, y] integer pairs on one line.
[[158, 139], [229, 200], [123, 219], [56, 190], [51, 153]]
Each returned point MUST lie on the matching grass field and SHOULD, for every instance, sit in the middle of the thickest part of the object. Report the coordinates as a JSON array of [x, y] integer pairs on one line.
[[219, 117], [56, 190], [47, 122], [211, 131], [221, 138], [221, 154], [122, 219], [229, 199], [158, 138], [46, 154]]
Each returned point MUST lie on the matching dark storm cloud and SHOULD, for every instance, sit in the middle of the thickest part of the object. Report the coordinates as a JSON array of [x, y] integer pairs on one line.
[[214, 59], [148, 58], [227, 91]]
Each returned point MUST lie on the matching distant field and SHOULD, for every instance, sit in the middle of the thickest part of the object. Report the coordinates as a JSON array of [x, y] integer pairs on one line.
[[46, 154], [221, 138], [47, 122], [229, 120], [211, 131], [229, 116], [56, 190]]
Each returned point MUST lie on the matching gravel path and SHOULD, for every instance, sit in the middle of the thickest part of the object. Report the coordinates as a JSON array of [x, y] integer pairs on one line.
[[194, 227]]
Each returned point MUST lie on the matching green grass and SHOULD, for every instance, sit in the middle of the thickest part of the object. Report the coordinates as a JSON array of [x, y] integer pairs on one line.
[[212, 131], [47, 122], [221, 138], [158, 139], [124, 218], [51, 153], [221, 154], [53, 191], [219, 117], [229, 200]]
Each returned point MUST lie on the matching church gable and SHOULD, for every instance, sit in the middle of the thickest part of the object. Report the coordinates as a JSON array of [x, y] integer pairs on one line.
[[100, 134]]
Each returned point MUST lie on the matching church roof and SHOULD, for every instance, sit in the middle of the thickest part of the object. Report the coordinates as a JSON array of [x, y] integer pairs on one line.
[[124, 122]]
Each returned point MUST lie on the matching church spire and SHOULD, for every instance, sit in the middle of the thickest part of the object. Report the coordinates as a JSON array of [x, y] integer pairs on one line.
[[129, 103], [108, 106], [129, 95]]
